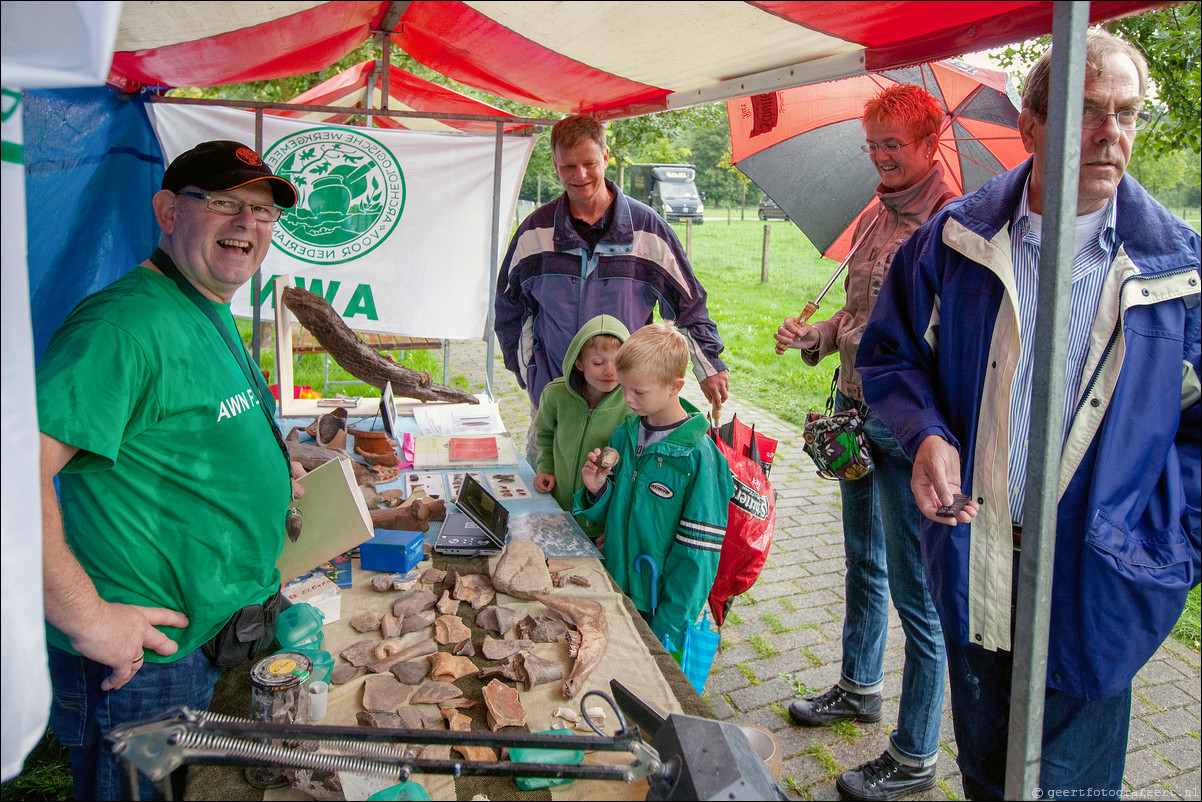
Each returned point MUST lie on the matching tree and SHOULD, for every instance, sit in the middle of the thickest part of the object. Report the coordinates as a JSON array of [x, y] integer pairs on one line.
[[1169, 39]]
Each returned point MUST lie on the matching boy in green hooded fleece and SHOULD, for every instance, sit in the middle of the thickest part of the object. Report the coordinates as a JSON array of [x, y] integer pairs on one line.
[[579, 411]]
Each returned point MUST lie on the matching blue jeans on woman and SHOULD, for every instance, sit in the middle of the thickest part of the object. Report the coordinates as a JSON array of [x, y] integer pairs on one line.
[[881, 544], [81, 714]]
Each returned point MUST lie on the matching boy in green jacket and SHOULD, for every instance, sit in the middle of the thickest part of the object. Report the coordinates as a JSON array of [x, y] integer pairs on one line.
[[579, 411], [668, 495]]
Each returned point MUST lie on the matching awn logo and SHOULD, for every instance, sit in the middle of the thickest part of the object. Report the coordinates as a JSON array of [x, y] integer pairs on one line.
[[351, 193]]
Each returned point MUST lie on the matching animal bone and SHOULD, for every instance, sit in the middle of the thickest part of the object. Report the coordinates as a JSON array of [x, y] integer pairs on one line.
[[494, 649], [589, 649], [328, 328], [535, 670], [450, 629], [475, 589], [448, 667], [410, 517], [446, 605], [567, 714], [379, 666]]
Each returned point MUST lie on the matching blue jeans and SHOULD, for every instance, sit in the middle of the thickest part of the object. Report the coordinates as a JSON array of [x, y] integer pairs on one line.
[[1084, 743], [881, 543], [81, 713]]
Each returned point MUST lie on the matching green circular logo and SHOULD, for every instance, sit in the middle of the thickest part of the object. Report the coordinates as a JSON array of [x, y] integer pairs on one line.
[[350, 194]]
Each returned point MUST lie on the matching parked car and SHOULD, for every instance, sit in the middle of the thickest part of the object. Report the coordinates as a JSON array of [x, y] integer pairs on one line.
[[770, 211]]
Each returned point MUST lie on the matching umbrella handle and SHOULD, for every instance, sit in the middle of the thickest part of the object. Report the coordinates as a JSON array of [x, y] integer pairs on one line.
[[810, 308], [654, 577]]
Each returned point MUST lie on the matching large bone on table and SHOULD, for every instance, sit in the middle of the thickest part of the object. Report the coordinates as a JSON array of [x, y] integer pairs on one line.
[[327, 326], [588, 617]]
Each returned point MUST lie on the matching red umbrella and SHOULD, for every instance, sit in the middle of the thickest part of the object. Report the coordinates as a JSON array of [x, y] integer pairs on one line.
[[802, 146]]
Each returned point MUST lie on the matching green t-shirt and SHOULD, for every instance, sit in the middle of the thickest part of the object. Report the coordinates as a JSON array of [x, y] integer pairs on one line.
[[178, 494]]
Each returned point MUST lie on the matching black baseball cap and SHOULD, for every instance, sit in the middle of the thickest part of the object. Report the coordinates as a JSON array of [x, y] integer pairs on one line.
[[224, 164]]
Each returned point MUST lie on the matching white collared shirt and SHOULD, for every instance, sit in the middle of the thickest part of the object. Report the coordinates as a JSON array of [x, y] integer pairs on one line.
[[1093, 252]]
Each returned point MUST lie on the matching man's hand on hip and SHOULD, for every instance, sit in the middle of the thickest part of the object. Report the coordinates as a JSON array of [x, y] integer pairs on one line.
[[119, 635]]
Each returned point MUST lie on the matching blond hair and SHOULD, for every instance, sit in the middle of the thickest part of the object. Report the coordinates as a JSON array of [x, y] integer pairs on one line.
[[658, 349]]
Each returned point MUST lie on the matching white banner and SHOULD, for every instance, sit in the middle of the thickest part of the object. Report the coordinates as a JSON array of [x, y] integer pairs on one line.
[[391, 227]]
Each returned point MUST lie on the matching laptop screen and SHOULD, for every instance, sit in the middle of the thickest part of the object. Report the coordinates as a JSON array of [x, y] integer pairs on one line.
[[479, 505]]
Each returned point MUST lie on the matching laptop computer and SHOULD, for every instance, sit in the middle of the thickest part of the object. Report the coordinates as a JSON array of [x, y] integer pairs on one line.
[[479, 526]]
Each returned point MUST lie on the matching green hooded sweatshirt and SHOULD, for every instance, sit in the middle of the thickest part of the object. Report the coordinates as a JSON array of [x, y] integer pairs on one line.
[[567, 430]]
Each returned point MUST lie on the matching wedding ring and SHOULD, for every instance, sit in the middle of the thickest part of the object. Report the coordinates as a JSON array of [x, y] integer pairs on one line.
[[138, 660]]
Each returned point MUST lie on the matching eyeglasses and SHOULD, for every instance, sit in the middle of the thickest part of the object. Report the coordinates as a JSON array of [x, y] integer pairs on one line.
[[232, 206], [890, 147], [1127, 119]]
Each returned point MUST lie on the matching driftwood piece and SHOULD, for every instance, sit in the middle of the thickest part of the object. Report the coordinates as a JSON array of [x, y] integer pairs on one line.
[[504, 707], [345, 347], [588, 617]]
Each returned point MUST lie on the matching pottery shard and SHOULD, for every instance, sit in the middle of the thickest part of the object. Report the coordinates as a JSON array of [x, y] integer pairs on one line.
[[609, 457], [459, 704], [344, 673], [496, 619], [464, 648], [576, 579], [365, 622], [394, 656], [446, 605], [448, 667], [381, 582], [456, 721], [413, 623], [541, 628], [555, 565], [384, 694], [414, 601], [450, 629], [435, 693], [411, 672], [534, 670], [522, 569], [411, 718], [390, 626], [361, 653], [481, 753], [366, 718], [504, 707], [494, 649], [475, 589], [433, 576]]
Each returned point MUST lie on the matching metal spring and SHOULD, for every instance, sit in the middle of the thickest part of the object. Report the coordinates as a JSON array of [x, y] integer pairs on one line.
[[258, 751], [366, 749]]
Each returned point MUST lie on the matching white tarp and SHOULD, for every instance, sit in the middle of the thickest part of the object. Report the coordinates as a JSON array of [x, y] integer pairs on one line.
[[76, 51], [391, 227]]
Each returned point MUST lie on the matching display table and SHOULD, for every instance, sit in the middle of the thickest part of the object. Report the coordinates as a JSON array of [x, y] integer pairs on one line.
[[633, 657]]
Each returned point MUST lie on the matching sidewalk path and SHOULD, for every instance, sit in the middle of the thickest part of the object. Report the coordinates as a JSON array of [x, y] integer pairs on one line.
[[782, 638]]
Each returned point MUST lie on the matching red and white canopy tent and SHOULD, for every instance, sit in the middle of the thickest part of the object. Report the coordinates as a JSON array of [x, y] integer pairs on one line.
[[364, 86], [612, 59]]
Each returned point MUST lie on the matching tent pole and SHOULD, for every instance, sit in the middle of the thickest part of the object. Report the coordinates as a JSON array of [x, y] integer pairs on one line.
[[494, 260], [256, 281], [1070, 24]]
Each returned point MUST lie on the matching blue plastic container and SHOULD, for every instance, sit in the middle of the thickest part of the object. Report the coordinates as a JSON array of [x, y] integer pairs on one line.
[[392, 551]]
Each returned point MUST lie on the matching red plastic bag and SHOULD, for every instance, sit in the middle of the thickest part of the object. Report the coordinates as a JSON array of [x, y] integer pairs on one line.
[[752, 515]]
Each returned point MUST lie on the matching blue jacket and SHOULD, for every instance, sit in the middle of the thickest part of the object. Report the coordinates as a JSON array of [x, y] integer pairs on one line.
[[551, 284], [942, 345]]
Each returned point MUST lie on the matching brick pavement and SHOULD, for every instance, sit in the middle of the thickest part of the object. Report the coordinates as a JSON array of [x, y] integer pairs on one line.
[[783, 637]]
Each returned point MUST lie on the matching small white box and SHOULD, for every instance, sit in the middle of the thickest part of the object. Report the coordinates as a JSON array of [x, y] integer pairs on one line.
[[319, 591]]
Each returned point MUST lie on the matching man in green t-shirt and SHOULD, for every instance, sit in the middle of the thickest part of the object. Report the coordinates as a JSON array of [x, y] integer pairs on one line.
[[174, 482]]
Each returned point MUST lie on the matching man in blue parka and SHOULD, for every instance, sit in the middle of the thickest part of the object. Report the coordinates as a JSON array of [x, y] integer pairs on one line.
[[946, 362]]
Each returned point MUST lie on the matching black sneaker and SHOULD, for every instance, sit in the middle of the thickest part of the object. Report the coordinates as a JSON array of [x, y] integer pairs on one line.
[[836, 705], [884, 778]]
